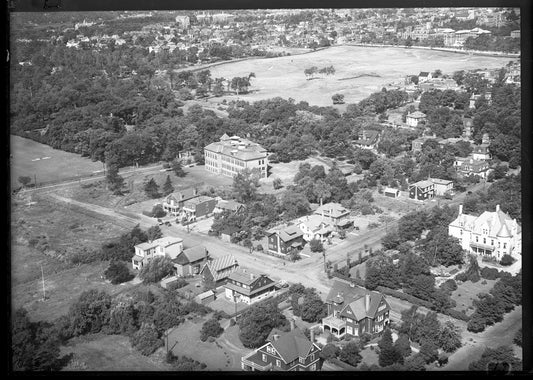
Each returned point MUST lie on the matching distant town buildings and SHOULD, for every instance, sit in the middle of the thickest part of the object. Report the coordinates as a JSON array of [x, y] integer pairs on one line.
[[492, 234], [231, 155], [413, 119]]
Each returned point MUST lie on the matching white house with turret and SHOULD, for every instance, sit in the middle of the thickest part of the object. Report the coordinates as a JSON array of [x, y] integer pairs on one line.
[[492, 234]]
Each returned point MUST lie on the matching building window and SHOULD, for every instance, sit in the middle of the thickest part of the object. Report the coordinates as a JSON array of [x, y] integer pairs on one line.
[[491, 242], [278, 363], [477, 239], [504, 245], [484, 241], [313, 367], [264, 357], [302, 360]]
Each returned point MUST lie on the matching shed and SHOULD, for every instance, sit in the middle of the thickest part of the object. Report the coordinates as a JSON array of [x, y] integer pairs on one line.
[[390, 192], [205, 297]]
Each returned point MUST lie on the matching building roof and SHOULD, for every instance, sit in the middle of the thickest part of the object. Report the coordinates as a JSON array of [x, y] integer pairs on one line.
[[230, 205], [422, 184], [239, 148], [192, 203], [287, 234], [204, 295], [244, 276], [423, 74], [290, 345], [221, 267], [334, 210], [390, 190], [352, 299], [417, 115], [164, 242], [191, 255], [183, 195], [314, 222], [438, 181], [497, 222]]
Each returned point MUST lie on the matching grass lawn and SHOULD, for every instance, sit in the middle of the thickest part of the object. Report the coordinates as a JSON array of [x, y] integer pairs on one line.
[[102, 352], [468, 291], [47, 164], [395, 207], [369, 356]]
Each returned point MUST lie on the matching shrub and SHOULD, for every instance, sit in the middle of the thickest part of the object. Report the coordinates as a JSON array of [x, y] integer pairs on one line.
[[449, 285], [259, 248], [146, 340], [158, 211], [232, 322], [506, 260], [461, 277], [156, 269], [180, 283], [316, 246], [457, 314], [329, 351], [490, 273], [118, 272]]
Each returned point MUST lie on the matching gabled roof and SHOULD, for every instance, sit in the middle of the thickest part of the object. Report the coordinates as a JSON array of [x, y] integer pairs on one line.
[[164, 242], [191, 255], [423, 74], [314, 222], [417, 115], [438, 181], [230, 205], [191, 203], [422, 184], [334, 210], [221, 267], [290, 345], [352, 299], [183, 195], [245, 276]]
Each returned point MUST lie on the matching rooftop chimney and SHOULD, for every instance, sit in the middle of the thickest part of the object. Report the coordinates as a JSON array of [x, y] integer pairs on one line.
[[312, 332], [291, 320], [367, 302], [275, 337], [460, 209], [497, 208]]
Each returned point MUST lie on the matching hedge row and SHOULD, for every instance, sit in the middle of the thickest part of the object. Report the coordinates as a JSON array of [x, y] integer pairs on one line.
[[404, 296], [457, 314]]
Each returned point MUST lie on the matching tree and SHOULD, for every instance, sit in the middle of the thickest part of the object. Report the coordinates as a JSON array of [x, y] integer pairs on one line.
[[245, 185], [429, 351], [313, 309], [472, 273], [507, 260], [122, 317], [257, 322], [167, 186], [277, 184], [316, 245], [350, 354], [158, 211], [151, 188], [34, 345], [330, 351], [156, 269], [294, 205], [449, 337], [114, 180], [518, 338], [154, 233], [337, 98], [388, 353], [146, 340], [24, 180], [210, 328], [403, 345], [499, 358], [118, 272], [177, 168], [90, 313]]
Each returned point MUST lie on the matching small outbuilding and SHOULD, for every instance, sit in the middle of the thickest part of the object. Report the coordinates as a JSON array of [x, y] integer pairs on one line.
[[390, 192], [205, 297]]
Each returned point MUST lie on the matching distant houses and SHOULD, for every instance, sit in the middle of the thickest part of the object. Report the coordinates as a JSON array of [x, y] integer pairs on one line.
[[215, 272], [315, 227], [197, 207], [246, 286], [174, 202], [335, 214], [422, 190], [283, 241], [415, 118], [190, 261], [367, 139]]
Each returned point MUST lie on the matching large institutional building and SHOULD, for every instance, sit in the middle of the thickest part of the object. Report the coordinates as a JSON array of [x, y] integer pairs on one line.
[[490, 234], [233, 154]]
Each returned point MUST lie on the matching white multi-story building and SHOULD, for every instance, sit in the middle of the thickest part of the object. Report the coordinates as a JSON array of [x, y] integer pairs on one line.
[[165, 246], [492, 234], [231, 155]]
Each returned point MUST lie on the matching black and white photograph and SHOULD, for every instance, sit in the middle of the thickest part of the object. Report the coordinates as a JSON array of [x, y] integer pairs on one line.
[[298, 189]]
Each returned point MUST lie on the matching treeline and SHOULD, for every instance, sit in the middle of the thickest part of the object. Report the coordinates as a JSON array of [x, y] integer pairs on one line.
[[493, 43], [139, 315]]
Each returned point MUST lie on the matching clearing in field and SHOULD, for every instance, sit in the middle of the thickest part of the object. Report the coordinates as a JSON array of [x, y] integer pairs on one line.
[[360, 71], [36, 160]]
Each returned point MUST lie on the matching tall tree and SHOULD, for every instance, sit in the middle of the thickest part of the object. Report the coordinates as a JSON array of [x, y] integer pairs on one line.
[[245, 185], [167, 186], [151, 188], [114, 180]]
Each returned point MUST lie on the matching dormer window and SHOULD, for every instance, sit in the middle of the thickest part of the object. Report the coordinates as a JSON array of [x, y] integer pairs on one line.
[[302, 360]]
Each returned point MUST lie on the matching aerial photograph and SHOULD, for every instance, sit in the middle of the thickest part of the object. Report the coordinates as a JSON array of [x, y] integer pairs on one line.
[[266, 190]]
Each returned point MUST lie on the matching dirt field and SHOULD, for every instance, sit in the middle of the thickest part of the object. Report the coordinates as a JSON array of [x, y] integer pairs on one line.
[[58, 165], [468, 291], [102, 352], [359, 72]]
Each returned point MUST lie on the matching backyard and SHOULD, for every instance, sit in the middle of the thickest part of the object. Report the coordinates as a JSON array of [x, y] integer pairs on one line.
[[467, 292]]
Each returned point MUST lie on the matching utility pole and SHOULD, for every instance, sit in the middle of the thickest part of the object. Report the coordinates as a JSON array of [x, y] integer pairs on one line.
[[44, 291], [35, 179]]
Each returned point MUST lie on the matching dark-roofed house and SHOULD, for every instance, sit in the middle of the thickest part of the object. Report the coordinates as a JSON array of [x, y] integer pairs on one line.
[[367, 139], [248, 287], [198, 207], [424, 76], [216, 272], [190, 261], [174, 202], [422, 190], [228, 232], [354, 311], [284, 351], [282, 242], [334, 213], [468, 166]]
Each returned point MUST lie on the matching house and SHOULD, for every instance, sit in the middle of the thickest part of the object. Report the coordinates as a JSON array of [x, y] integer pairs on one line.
[[284, 351], [314, 227], [228, 232], [335, 214], [468, 166], [174, 202], [248, 287], [205, 297], [492, 234], [353, 310], [367, 139], [487, 96], [422, 190], [414, 118], [390, 192], [416, 144], [481, 152], [442, 186], [467, 127], [215, 272], [190, 261], [166, 246], [231, 155], [515, 33], [230, 206], [282, 242], [198, 207], [424, 76]]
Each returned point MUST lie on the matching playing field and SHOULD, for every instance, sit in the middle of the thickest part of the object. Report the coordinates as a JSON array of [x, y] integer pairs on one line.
[[359, 71], [32, 159]]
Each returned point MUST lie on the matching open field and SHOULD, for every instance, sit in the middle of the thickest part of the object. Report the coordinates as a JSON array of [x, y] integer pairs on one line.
[[468, 291], [369, 69], [59, 164], [102, 352]]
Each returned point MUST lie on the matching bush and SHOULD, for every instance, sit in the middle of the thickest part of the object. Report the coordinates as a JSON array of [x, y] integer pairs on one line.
[[156, 270], [180, 283], [118, 272], [329, 351], [232, 322], [457, 314], [316, 246], [461, 277], [506, 260], [211, 328], [146, 340], [490, 273], [158, 211], [449, 285], [259, 248]]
